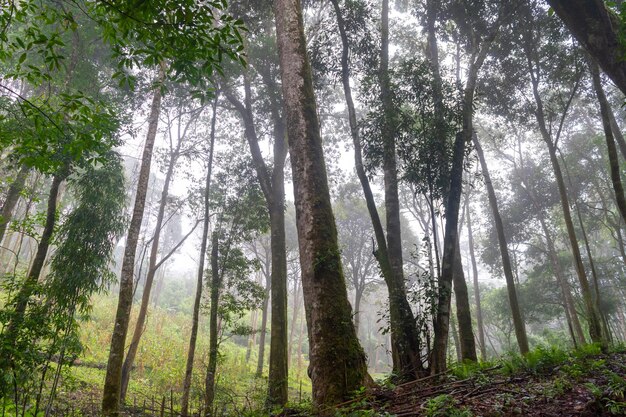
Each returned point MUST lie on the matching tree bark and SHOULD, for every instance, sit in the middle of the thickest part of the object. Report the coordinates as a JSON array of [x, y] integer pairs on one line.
[[184, 407], [337, 361], [598, 30], [113, 379], [518, 322], [605, 113], [13, 195], [479, 311]]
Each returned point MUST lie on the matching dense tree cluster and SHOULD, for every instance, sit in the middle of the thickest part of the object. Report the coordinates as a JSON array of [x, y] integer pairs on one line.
[[432, 147]]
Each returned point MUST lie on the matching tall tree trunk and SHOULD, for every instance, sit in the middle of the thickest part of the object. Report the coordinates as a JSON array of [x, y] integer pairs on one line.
[[13, 195], [112, 384], [467, 345], [337, 361], [209, 393], [479, 310], [184, 402], [605, 112], [518, 322], [261, 356], [593, 313], [477, 58], [152, 268], [22, 297], [405, 338], [273, 187], [442, 318]]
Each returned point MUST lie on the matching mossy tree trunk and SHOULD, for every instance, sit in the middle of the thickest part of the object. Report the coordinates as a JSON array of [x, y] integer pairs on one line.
[[337, 361]]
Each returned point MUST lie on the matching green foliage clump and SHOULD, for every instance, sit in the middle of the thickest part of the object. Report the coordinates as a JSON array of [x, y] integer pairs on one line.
[[538, 360], [445, 406]]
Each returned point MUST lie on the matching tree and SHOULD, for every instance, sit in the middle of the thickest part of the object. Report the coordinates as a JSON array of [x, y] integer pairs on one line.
[[405, 340], [337, 360], [354, 231], [531, 41], [241, 216], [518, 321], [200, 277], [174, 152], [272, 182]]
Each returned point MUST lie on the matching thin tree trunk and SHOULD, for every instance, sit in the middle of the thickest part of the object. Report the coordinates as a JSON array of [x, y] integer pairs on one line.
[[405, 346], [337, 362], [152, 268], [13, 195], [477, 59], [358, 294], [273, 187], [605, 112], [209, 394], [479, 311], [112, 384], [568, 299], [518, 321], [294, 317], [200, 277], [455, 338]]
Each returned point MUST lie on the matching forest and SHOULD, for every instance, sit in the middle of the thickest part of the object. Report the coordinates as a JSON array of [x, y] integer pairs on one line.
[[339, 208]]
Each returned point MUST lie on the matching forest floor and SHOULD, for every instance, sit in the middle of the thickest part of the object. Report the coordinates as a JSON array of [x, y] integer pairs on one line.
[[547, 382]]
